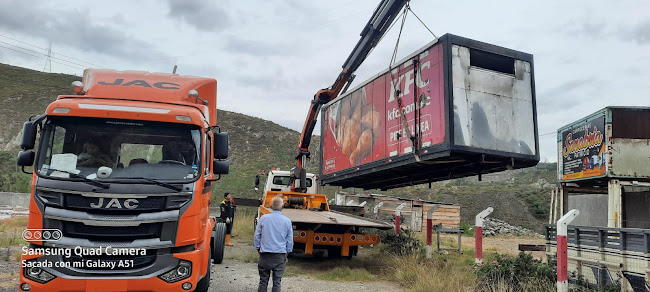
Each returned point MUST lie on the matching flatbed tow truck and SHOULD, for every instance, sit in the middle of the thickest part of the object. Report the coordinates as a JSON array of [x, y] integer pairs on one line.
[[315, 225]]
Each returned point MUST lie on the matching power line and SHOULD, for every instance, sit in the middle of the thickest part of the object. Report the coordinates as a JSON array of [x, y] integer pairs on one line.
[[73, 58], [46, 55], [42, 57], [49, 58]]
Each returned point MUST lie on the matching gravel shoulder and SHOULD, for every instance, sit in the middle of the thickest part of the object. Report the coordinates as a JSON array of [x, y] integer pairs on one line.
[[236, 275]]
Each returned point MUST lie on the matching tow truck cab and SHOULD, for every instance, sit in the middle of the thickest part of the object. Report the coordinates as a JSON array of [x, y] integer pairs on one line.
[[279, 181]]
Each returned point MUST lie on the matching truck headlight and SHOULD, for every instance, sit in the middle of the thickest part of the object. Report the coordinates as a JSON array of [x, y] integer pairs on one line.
[[37, 274], [180, 272]]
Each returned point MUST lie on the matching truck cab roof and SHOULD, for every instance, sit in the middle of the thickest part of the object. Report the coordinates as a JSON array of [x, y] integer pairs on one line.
[[140, 86]]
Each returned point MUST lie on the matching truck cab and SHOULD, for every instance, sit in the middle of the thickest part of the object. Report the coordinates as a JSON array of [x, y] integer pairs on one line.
[[122, 185], [280, 181]]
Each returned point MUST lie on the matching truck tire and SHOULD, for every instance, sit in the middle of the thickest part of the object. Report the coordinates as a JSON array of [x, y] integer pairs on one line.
[[219, 242], [204, 284], [334, 252]]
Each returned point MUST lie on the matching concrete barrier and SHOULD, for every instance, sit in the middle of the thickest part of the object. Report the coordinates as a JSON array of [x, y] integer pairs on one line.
[[14, 200]]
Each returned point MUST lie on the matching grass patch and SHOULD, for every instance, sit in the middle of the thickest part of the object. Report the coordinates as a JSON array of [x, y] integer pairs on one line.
[[11, 230], [251, 257], [12, 238], [450, 272], [336, 274], [13, 224], [242, 229], [346, 274]]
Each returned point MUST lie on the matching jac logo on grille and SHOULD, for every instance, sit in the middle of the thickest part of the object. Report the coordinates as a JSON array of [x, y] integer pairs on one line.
[[115, 203]]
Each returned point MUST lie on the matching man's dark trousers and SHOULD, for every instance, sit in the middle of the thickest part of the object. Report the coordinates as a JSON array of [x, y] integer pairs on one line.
[[271, 262]]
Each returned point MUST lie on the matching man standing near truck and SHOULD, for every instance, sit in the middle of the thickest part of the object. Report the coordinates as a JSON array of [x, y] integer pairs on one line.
[[273, 240], [228, 214]]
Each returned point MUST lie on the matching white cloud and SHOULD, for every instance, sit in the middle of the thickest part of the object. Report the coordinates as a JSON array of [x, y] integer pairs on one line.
[[271, 57]]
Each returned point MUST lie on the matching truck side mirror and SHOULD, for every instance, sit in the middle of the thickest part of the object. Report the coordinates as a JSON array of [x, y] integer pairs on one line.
[[26, 158], [29, 135], [220, 145], [220, 166], [257, 182]]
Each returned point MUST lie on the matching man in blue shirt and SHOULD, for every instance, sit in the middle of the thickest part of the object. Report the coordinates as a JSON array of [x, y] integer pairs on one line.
[[274, 241]]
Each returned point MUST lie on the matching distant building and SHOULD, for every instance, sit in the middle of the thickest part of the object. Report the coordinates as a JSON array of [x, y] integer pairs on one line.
[[413, 216]]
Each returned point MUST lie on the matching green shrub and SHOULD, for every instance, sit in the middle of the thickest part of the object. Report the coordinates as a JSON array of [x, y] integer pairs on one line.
[[516, 272], [403, 244], [468, 229]]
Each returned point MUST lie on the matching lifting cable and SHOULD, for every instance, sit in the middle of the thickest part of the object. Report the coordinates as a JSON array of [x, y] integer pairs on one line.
[[411, 136], [397, 92]]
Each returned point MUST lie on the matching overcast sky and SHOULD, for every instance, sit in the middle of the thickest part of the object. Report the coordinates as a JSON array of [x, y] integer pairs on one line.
[[270, 57]]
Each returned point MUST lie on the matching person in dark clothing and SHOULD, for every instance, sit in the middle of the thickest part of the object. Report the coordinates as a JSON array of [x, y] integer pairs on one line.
[[228, 214]]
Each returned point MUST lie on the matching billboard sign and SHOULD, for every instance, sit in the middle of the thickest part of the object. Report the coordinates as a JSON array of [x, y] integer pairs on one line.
[[583, 149]]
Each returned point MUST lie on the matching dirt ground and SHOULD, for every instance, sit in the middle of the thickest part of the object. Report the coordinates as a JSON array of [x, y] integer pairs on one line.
[[239, 273], [502, 243], [235, 275]]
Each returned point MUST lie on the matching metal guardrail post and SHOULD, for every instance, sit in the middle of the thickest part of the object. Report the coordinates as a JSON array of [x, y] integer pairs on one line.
[[478, 241], [397, 218], [376, 209], [430, 227], [562, 257]]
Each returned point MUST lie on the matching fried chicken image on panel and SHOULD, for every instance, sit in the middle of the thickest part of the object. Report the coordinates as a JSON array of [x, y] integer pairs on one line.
[[364, 147], [371, 120], [341, 134], [352, 132]]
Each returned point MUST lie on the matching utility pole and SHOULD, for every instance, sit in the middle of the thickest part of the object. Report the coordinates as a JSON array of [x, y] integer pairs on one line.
[[48, 61]]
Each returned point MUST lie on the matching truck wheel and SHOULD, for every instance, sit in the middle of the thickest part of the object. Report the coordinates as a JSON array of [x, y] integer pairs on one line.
[[204, 284], [218, 242], [353, 251], [334, 252]]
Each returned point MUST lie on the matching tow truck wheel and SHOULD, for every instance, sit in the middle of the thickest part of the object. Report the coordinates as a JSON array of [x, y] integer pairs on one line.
[[218, 242], [204, 284]]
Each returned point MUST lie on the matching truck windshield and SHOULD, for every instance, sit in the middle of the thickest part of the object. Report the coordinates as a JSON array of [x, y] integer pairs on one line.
[[284, 181], [119, 150]]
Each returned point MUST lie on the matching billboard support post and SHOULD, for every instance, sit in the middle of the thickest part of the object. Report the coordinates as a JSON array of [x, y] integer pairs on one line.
[[480, 217], [375, 210], [562, 257], [397, 217], [430, 227]]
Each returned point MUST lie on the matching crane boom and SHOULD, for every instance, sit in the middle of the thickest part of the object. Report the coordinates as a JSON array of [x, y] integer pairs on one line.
[[376, 27]]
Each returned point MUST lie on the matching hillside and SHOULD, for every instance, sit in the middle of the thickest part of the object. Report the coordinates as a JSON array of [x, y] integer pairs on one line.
[[520, 197]]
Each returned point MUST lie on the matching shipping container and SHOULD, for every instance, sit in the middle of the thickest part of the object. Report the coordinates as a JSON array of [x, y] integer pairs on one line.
[[455, 108], [610, 143]]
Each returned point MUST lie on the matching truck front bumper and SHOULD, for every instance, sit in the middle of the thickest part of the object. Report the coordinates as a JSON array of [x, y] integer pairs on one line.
[[122, 281]]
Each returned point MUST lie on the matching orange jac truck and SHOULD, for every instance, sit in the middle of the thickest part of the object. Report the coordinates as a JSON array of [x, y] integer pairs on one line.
[[122, 185]]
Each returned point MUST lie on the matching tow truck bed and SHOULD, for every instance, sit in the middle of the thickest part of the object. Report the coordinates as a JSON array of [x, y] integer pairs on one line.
[[330, 217]]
